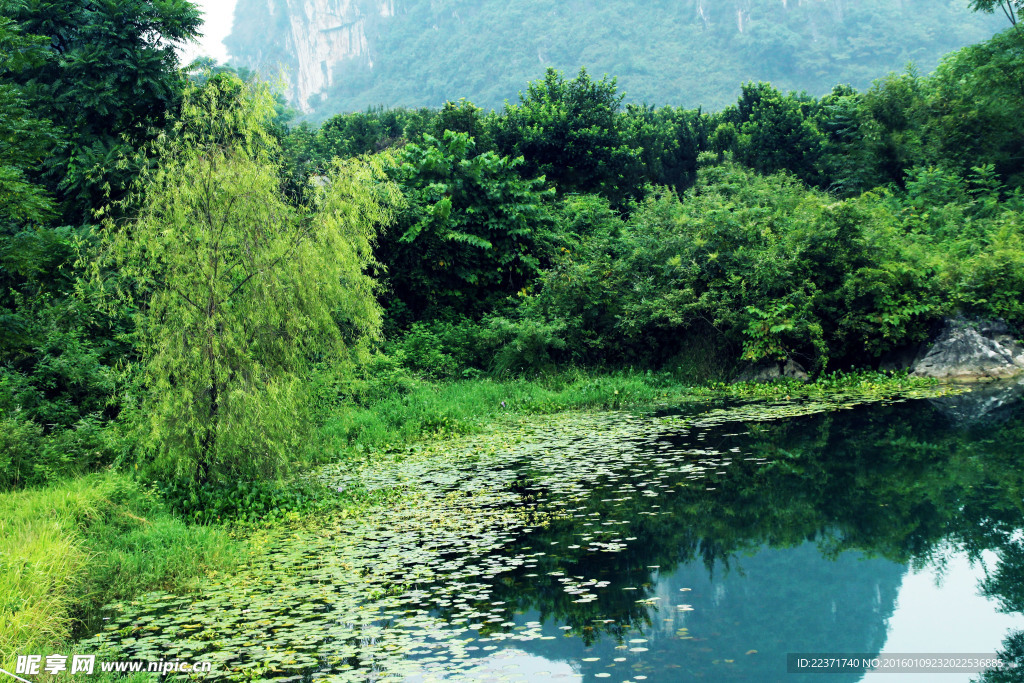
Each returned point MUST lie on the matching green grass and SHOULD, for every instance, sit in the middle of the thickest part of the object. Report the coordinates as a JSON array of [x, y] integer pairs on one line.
[[68, 548], [460, 407], [437, 410]]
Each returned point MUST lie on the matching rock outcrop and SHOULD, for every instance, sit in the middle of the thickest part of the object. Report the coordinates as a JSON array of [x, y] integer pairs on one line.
[[962, 350], [313, 41], [970, 351], [770, 371]]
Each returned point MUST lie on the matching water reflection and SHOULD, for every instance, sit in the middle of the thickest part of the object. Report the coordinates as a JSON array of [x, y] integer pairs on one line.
[[808, 551], [699, 546], [740, 624]]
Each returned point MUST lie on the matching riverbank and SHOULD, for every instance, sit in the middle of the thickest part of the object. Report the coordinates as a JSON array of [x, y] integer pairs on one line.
[[68, 548], [436, 410]]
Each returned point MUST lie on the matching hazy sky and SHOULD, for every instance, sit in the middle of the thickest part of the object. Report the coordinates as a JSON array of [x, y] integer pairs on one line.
[[217, 16]]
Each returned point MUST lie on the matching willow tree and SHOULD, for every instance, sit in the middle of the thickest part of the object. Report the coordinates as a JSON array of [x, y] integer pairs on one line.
[[239, 292]]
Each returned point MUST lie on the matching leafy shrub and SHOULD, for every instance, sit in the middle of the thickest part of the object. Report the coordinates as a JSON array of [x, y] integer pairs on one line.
[[472, 232], [20, 441], [31, 454], [761, 263], [383, 376], [525, 346], [245, 501], [422, 349]]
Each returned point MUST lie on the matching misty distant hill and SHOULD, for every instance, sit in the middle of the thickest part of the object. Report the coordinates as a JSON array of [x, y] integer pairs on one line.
[[345, 55]]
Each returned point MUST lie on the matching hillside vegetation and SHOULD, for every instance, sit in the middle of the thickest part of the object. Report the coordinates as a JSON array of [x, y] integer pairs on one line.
[[690, 53]]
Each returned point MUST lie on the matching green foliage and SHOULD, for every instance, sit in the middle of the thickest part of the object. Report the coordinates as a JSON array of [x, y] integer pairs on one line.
[[961, 117], [757, 262], [439, 350], [525, 346], [29, 457], [460, 117], [238, 291], [349, 135], [975, 100], [775, 133], [892, 133], [399, 417], [383, 376], [438, 410], [1011, 9], [246, 501], [473, 230], [55, 394], [41, 333], [19, 439], [106, 80], [24, 137], [82, 86], [837, 116], [569, 131], [423, 350], [765, 332], [667, 142]]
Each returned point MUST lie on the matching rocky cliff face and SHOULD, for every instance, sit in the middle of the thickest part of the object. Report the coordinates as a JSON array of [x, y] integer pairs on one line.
[[311, 41]]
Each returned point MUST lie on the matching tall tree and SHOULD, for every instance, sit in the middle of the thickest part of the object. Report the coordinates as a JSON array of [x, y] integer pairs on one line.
[[239, 292], [25, 138], [473, 231], [83, 85], [667, 142], [775, 133], [570, 132]]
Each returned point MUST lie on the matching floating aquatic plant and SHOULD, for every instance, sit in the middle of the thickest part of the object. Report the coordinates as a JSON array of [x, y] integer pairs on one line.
[[413, 590]]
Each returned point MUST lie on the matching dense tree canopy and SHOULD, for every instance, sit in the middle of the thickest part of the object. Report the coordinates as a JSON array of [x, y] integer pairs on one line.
[[106, 79], [25, 138], [254, 267], [472, 230], [569, 131], [83, 87]]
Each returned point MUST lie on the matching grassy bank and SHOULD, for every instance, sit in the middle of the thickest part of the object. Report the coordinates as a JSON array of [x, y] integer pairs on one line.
[[73, 546], [435, 410]]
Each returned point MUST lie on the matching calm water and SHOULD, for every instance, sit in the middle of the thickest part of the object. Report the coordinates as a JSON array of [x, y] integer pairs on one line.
[[674, 549], [882, 529]]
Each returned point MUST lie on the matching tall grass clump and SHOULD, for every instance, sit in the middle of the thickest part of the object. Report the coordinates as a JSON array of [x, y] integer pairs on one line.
[[420, 409], [73, 546]]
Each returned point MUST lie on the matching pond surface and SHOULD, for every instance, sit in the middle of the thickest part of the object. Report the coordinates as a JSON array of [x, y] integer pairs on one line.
[[706, 544]]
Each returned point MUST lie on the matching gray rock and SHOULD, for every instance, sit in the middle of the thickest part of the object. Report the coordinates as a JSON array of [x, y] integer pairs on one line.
[[769, 371], [991, 402], [971, 351]]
